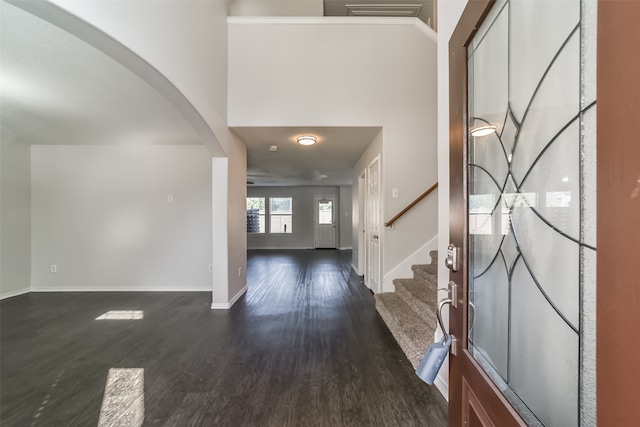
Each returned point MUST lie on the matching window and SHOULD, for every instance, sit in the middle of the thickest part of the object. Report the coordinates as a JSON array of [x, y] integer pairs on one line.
[[325, 212], [280, 214], [255, 214]]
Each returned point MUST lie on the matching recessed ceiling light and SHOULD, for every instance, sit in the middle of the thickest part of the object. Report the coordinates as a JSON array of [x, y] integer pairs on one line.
[[307, 140], [273, 148]]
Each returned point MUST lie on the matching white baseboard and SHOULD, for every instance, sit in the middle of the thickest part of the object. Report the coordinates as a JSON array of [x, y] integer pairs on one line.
[[442, 384], [227, 305], [355, 269], [128, 289], [403, 269], [271, 248], [15, 293], [346, 248]]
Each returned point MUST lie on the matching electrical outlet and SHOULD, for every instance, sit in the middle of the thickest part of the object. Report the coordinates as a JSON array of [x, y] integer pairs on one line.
[[210, 268], [54, 268], [394, 193]]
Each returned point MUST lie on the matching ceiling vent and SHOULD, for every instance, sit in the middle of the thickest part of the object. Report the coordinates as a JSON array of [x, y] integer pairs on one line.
[[383, 9]]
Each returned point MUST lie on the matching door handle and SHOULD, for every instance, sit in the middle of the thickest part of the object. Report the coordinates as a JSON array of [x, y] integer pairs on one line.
[[375, 236]]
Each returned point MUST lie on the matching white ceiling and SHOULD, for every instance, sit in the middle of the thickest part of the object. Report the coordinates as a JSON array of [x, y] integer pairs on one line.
[[57, 89], [328, 162]]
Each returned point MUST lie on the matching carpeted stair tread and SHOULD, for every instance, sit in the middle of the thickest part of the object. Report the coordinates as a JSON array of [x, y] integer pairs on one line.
[[420, 297], [412, 332], [434, 257], [426, 272]]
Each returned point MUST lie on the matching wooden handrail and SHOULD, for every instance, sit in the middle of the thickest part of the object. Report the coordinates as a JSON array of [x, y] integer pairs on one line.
[[412, 204]]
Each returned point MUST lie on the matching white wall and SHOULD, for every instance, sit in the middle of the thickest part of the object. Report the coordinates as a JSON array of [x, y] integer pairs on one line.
[[277, 8], [345, 205], [303, 224], [449, 13], [358, 72], [15, 220], [101, 214]]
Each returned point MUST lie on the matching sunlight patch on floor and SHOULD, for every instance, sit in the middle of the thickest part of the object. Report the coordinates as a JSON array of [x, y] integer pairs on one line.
[[122, 315], [123, 401]]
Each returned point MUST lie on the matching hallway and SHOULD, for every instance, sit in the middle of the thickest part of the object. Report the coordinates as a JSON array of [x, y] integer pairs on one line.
[[304, 347]]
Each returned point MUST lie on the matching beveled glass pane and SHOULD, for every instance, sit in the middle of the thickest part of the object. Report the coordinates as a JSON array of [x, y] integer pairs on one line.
[[489, 315], [556, 103], [553, 260], [556, 179], [508, 136], [490, 74], [498, 8], [489, 154], [544, 355], [590, 45], [537, 31], [484, 221]]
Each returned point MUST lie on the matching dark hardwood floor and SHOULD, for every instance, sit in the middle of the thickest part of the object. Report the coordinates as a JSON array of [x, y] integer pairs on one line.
[[304, 347]]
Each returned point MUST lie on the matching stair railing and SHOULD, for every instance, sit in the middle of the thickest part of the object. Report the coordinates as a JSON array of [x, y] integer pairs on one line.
[[410, 205]]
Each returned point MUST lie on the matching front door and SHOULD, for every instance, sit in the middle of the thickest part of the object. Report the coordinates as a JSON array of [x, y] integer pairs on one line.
[[523, 179], [325, 233]]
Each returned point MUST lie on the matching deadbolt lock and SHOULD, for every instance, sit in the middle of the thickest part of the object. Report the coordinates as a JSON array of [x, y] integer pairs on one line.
[[451, 261]]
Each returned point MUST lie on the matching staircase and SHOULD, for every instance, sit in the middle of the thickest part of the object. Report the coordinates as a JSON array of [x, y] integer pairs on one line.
[[410, 311]]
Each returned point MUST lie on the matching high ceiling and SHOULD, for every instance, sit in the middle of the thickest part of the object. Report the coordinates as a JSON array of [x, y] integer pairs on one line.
[[57, 89]]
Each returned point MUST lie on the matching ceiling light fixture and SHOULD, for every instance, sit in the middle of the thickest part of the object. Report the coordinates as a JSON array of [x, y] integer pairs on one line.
[[483, 130], [306, 140], [273, 148]]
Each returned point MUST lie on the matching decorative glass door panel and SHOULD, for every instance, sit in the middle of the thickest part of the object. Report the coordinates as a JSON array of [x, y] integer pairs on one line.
[[531, 205]]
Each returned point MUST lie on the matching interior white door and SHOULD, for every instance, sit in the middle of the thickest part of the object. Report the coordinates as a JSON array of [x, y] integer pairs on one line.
[[325, 213], [373, 225]]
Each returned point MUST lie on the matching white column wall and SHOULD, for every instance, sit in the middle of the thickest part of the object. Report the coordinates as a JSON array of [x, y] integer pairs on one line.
[[344, 217], [449, 13], [15, 217]]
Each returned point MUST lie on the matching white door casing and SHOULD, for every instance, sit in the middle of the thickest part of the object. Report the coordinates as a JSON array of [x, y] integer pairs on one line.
[[373, 225]]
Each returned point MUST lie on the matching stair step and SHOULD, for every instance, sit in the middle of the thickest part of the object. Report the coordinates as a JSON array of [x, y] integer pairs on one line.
[[411, 331], [426, 273], [434, 257], [420, 297]]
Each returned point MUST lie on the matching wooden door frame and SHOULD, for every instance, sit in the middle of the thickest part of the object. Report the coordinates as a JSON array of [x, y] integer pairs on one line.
[[494, 406], [618, 222], [618, 210]]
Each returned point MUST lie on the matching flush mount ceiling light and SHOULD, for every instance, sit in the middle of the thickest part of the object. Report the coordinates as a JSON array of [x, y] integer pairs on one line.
[[273, 148], [306, 140], [482, 130]]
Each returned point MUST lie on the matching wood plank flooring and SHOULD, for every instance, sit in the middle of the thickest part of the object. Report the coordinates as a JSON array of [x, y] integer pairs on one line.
[[303, 347]]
